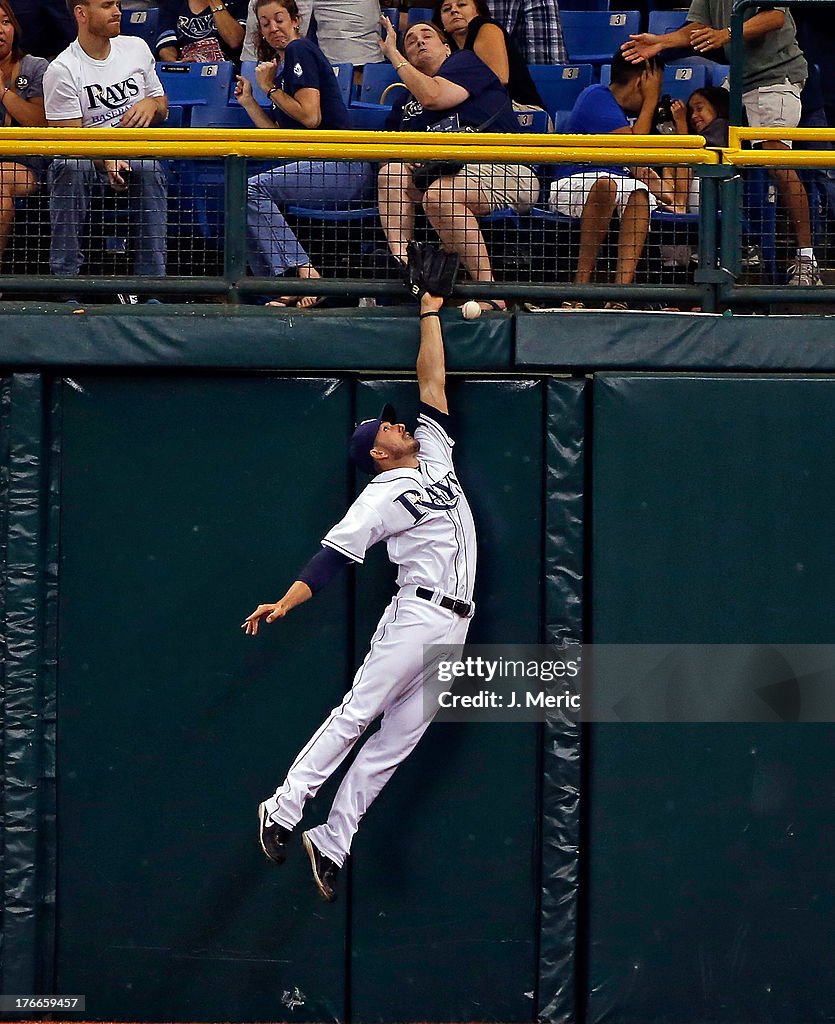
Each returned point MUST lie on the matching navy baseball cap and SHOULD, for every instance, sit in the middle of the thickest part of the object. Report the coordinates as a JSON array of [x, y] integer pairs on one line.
[[362, 439]]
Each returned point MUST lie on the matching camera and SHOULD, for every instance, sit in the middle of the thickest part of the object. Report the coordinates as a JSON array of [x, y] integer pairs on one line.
[[664, 122]]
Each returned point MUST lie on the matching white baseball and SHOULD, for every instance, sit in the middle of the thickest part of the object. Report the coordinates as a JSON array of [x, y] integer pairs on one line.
[[471, 310]]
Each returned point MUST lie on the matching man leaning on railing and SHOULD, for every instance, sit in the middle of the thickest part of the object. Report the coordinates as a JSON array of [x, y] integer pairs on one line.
[[104, 80], [773, 73]]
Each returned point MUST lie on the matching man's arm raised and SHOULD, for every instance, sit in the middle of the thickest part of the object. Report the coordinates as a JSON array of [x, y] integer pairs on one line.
[[431, 362]]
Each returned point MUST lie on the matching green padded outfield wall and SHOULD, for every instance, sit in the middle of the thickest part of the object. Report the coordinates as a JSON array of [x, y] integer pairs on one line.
[[710, 875], [186, 500], [181, 498]]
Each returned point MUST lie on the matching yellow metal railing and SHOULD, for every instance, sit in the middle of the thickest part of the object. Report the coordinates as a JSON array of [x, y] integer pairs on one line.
[[98, 143]]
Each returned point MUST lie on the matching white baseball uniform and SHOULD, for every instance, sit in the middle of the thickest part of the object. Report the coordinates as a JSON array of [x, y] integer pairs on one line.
[[423, 516]]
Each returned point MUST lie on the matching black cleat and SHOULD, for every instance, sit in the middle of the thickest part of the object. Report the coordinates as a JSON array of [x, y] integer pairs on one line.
[[324, 869], [273, 838]]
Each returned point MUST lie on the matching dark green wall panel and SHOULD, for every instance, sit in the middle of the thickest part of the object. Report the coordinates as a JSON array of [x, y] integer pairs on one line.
[[564, 579], [445, 865], [713, 504], [185, 503]]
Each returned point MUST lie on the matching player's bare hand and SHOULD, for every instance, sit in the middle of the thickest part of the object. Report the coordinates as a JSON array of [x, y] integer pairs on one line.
[[267, 612], [706, 38], [643, 46]]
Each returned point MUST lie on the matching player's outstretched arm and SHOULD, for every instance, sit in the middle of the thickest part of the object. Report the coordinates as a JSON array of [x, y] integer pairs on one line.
[[431, 363], [297, 594]]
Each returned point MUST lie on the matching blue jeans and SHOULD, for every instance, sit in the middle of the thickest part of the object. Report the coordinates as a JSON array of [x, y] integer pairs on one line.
[[71, 183], [272, 246]]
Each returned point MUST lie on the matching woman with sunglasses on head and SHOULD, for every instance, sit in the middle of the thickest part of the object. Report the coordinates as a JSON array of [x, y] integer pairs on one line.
[[469, 25]]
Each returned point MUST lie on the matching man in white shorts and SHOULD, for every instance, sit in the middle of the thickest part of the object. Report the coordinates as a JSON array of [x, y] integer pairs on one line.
[[774, 71], [593, 194]]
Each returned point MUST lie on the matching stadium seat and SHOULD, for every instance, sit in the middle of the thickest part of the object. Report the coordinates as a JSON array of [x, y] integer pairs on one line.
[[228, 116], [584, 5], [719, 74], [175, 117], [197, 85], [418, 14], [368, 117], [248, 72], [593, 36], [392, 13], [536, 121], [680, 80], [559, 85], [345, 80], [376, 78], [143, 23], [662, 22]]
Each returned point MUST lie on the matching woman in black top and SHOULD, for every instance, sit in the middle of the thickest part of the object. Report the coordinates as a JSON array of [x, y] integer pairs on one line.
[[469, 26]]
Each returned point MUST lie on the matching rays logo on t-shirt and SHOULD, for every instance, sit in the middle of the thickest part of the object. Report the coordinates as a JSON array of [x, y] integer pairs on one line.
[[297, 70], [111, 96], [412, 108]]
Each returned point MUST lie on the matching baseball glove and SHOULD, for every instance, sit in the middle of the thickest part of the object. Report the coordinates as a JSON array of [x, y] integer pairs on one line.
[[431, 270]]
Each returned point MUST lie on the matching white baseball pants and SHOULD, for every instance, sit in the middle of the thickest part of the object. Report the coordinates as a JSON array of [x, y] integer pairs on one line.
[[389, 682]]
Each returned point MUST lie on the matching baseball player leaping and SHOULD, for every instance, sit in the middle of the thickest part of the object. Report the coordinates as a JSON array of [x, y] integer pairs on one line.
[[415, 503]]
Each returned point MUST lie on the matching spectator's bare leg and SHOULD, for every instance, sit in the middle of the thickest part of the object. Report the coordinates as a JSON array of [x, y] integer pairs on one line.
[[594, 226], [16, 181], [453, 207], [794, 198], [634, 224], [396, 196]]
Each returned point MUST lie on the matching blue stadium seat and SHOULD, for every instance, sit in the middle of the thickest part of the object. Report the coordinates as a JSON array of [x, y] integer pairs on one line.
[[560, 118], [175, 117], [559, 85], [584, 5], [197, 85], [418, 14], [662, 22], [368, 117], [392, 13], [143, 23], [592, 37], [220, 117], [680, 80], [719, 73], [536, 121], [376, 78], [248, 72], [345, 80]]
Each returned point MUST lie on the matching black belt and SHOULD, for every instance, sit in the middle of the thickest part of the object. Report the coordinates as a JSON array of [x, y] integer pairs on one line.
[[462, 608]]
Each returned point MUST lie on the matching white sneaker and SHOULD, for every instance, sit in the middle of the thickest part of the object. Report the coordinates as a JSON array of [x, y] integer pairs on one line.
[[803, 272]]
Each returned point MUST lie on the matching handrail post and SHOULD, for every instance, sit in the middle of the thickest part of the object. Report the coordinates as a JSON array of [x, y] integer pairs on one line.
[[234, 224]]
